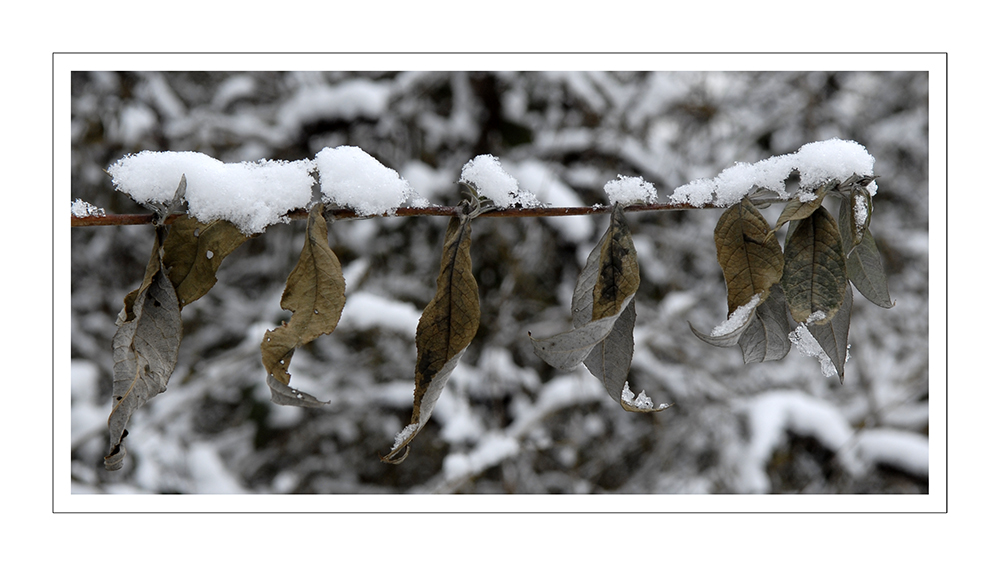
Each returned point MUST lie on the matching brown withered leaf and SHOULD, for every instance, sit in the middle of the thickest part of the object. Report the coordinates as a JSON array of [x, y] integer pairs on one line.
[[815, 269], [193, 252], [748, 252], [617, 268], [603, 316], [797, 210], [446, 328], [314, 293], [145, 348]]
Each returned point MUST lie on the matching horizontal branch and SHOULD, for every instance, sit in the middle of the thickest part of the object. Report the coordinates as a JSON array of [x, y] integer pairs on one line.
[[341, 213]]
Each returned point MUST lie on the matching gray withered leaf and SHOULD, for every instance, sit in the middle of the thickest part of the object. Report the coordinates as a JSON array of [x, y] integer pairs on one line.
[[766, 339], [740, 322], [314, 293], [611, 278], [832, 337], [797, 210], [602, 337], [193, 252], [748, 252], [145, 348], [446, 328], [815, 268], [761, 330], [864, 262]]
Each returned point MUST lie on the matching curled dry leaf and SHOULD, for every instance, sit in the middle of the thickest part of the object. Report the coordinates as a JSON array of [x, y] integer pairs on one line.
[[748, 252], [314, 293], [145, 348], [446, 328], [815, 269], [193, 252], [603, 316], [864, 262]]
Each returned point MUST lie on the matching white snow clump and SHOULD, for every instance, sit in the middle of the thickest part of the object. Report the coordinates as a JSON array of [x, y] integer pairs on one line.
[[350, 177], [628, 190], [816, 162], [485, 173], [251, 195]]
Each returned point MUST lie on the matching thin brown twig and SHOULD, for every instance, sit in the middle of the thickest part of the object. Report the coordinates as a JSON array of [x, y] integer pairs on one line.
[[342, 213]]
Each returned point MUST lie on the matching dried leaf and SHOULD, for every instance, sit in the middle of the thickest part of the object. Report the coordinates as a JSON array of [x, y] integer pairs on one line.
[[832, 337], [797, 210], [603, 317], [748, 252], [193, 252], [618, 268], [446, 328], [314, 293], [766, 338], [815, 269], [864, 262], [145, 348]]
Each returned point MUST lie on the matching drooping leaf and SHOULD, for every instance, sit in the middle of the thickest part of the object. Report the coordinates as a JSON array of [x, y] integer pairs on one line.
[[766, 338], [446, 328], [832, 337], [815, 269], [611, 358], [314, 293], [796, 209], [748, 252], [864, 262], [858, 201], [617, 268], [145, 348], [603, 317], [193, 252]]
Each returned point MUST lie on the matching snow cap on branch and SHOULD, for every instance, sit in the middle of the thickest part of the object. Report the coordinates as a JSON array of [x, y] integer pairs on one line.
[[491, 181], [350, 177], [815, 162], [629, 190], [251, 195]]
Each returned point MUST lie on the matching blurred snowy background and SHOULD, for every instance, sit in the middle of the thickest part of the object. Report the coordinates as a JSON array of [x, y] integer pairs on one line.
[[507, 423]]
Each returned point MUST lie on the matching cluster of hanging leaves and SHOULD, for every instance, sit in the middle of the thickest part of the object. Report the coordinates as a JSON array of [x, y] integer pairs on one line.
[[770, 290], [181, 269], [603, 317], [808, 284]]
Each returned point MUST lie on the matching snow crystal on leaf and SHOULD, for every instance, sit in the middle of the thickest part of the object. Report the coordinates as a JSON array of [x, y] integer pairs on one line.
[[485, 174], [807, 345], [350, 177], [738, 318], [251, 195], [408, 431], [628, 190]]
